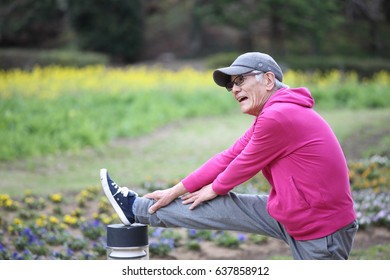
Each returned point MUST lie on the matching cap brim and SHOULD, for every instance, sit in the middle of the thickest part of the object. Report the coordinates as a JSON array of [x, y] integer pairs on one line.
[[222, 76]]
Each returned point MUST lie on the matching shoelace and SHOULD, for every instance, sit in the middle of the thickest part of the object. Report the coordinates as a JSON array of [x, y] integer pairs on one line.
[[124, 190]]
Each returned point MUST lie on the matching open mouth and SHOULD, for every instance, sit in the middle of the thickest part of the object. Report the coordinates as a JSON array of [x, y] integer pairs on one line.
[[242, 98]]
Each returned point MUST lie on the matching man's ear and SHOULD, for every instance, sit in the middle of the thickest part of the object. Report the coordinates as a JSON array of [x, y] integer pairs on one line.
[[269, 79]]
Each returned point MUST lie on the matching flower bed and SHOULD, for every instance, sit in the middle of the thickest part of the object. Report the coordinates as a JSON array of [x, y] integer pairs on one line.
[[74, 226]]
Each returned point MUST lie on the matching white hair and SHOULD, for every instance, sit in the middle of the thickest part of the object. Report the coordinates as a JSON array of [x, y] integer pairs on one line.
[[278, 84]]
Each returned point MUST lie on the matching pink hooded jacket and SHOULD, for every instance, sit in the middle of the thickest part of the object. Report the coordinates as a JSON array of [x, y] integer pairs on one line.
[[301, 158]]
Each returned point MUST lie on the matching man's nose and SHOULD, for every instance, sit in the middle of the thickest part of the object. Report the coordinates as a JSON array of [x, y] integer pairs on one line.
[[236, 89]]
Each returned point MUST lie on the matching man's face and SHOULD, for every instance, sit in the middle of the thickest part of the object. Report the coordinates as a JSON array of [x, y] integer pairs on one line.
[[251, 93]]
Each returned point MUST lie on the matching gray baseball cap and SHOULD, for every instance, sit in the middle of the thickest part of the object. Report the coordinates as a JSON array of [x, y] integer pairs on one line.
[[245, 63]]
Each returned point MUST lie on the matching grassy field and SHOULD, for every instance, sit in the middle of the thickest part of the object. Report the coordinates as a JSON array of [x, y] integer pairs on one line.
[[150, 128], [378, 252], [57, 109], [169, 153]]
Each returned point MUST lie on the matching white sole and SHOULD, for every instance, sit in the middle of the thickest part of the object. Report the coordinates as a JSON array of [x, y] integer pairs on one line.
[[106, 188]]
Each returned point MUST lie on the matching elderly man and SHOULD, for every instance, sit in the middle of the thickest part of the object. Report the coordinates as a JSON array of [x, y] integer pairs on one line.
[[309, 205]]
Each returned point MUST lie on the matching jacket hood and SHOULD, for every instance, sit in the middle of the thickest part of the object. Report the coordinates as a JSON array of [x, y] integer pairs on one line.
[[299, 96]]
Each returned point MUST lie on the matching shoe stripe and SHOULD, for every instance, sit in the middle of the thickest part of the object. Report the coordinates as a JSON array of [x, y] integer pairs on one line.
[[118, 191]]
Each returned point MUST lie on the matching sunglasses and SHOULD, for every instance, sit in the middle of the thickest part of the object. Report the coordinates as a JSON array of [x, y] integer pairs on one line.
[[239, 80]]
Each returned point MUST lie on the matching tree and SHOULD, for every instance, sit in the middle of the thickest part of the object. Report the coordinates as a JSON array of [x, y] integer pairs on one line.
[[114, 27], [309, 21], [238, 14], [30, 23], [372, 13]]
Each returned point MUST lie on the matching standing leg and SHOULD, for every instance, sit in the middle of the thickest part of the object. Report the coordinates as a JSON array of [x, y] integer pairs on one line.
[[335, 246]]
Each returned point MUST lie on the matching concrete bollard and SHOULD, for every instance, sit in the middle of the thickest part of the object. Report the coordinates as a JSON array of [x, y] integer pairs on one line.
[[127, 242]]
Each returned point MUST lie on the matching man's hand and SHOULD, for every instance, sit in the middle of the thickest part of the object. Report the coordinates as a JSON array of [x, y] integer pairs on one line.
[[164, 197], [204, 194]]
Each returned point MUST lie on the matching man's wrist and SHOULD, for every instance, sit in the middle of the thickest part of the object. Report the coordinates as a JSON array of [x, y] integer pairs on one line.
[[178, 190]]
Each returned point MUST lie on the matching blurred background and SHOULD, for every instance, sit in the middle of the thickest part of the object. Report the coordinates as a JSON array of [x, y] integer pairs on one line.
[[301, 34]]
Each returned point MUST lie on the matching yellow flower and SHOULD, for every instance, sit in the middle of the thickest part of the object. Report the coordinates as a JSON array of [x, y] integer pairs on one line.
[[10, 229], [53, 220], [8, 203], [366, 173], [106, 220], [29, 200], [17, 222], [4, 196], [40, 222], [70, 220], [84, 193], [56, 198]]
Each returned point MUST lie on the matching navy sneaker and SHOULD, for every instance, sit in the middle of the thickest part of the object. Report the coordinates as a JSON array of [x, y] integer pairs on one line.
[[121, 198]]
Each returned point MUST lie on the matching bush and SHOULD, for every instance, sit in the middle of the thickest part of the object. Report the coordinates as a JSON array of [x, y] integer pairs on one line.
[[365, 67], [29, 58], [220, 60]]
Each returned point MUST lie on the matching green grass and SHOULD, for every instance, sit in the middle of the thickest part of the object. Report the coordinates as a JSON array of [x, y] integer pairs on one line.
[[362, 133], [168, 154], [33, 127], [344, 122], [378, 252]]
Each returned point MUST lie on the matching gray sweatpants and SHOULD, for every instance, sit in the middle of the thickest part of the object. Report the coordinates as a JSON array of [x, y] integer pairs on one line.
[[244, 213]]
